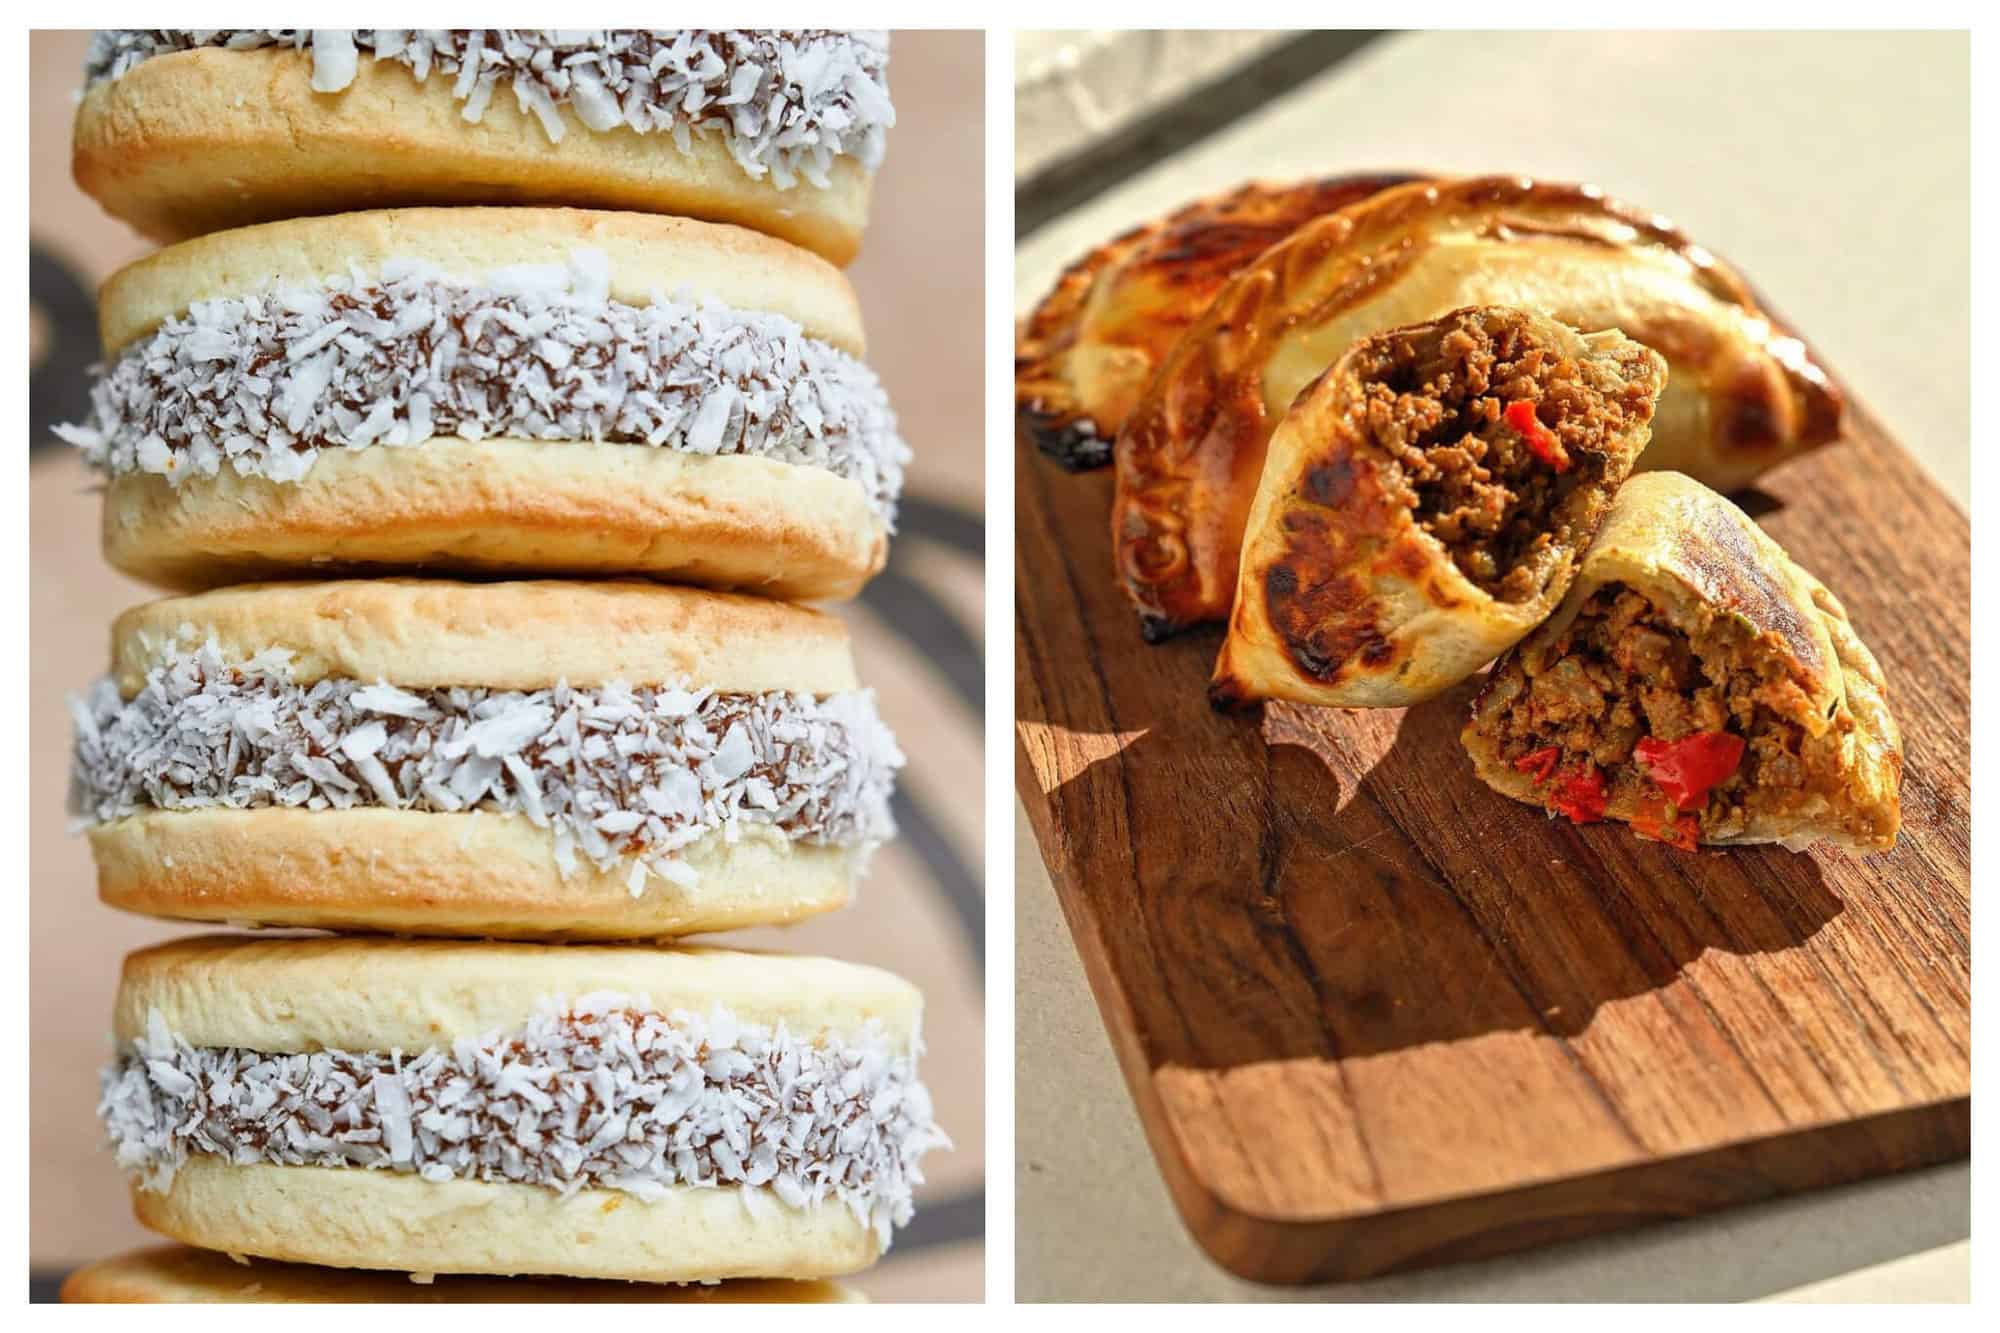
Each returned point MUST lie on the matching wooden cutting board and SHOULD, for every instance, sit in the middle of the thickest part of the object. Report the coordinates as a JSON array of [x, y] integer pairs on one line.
[[1375, 1015]]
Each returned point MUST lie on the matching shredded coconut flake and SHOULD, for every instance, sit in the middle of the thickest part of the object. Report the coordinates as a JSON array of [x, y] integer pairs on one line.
[[620, 775], [261, 384], [786, 104], [605, 1093]]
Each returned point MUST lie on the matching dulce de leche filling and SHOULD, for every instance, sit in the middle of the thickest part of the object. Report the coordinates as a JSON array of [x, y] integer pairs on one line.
[[263, 384], [604, 1093], [619, 775]]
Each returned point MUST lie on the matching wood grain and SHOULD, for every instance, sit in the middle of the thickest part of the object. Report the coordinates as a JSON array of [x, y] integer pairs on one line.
[[1375, 1015]]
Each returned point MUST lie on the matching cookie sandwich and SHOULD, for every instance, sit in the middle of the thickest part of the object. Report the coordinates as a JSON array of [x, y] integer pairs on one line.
[[541, 760], [488, 391], [186, 131], [474, 1107]]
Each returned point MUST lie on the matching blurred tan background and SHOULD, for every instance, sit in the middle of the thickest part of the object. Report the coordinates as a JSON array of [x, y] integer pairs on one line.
[[921, 284]]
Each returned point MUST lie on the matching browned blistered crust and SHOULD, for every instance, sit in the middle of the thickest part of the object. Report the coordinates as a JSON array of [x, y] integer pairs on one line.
[[1469, 480], [1189, 456], [1084, 355], [1405, 532]]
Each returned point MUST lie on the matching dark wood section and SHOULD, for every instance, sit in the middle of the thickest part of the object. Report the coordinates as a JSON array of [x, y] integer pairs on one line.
[[1375, 1015]]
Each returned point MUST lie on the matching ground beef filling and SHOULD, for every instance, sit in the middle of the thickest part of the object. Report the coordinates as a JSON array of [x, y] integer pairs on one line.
[[1438, 404], [1623, 672]]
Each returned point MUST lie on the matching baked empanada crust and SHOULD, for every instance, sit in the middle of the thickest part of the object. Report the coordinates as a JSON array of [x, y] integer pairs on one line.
[[1742, 395], [1683, 546], [1088, 350], [1345, 599]]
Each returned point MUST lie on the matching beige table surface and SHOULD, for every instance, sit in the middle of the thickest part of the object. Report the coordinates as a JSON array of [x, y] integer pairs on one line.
[[1833, 168]]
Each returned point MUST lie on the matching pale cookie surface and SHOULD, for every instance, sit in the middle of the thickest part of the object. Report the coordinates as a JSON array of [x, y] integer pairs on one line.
[[424, 634], [786, 103], [469, 874], [361, 994], [371, 1219], [184, 132], [506, 507]]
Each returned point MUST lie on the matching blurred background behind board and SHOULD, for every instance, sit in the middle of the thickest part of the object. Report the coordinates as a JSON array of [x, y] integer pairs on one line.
[[1833, 169], [921, 912]]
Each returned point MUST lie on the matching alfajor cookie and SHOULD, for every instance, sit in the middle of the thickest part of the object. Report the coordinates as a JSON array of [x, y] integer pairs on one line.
[[182, 1275], [464, 1107], [543, 760], [186, 131], [541, 391]]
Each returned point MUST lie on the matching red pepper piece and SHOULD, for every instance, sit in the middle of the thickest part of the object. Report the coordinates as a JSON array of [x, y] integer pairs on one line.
[[1580, 794], [1540, 762], [1521, 416], [1682, 832], [1686, 770]]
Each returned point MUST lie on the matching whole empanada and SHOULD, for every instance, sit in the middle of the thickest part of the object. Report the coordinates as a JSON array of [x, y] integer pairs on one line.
[[1741, 394], [1697, 683], [1425, 503], [1087, 352]]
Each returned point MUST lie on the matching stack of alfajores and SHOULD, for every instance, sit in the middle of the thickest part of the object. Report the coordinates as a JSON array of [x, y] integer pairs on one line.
[[496, 404]]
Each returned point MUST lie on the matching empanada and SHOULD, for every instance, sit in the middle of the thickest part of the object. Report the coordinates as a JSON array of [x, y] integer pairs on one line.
[[1697, 683], [1741, 394], [1087, 352], [1425, 503]]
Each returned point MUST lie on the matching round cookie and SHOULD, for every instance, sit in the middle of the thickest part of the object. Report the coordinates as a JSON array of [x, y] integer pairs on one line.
[[182, 1275], [181, 133], [491, 391], [460, 1107], [538, 760]]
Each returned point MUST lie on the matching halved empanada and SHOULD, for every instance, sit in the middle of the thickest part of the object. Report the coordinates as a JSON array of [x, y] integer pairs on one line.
[[1741, 395], [1697, 683], [1084, 356], [1425, 503]]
